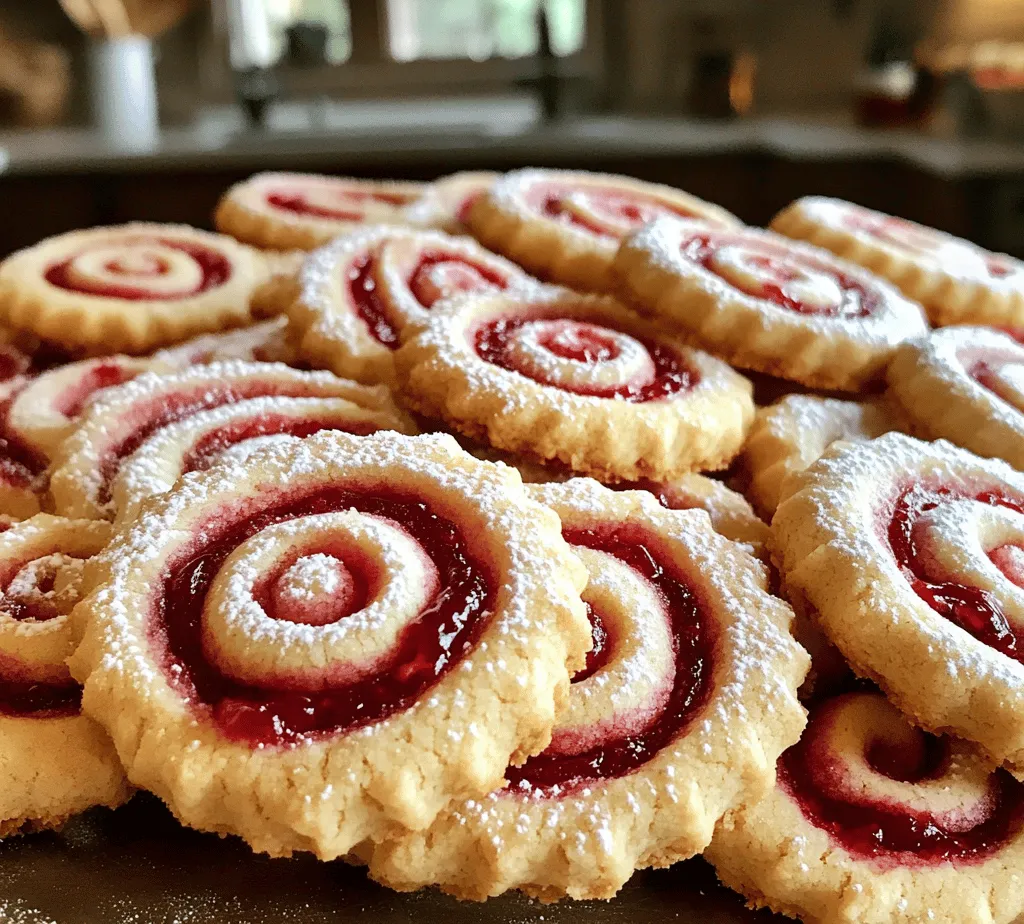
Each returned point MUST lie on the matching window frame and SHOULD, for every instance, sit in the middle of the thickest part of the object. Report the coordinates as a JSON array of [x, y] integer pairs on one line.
[[371, 72]]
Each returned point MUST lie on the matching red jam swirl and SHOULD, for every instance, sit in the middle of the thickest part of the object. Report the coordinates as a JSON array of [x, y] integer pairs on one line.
[[986, 373], [493, 341], [781, 266], [216, 270], [426, 650], [372, 306], [694, 639], [21, 697], [972, 609], [12, 362], [463, 276], [613, 205], [349, 202], [212, 443], [103, 375], [144, 419], [20, 465], [893, 833], [601, 650]]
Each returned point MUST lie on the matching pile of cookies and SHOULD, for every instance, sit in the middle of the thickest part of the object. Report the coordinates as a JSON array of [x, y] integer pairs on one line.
[[374, 526]]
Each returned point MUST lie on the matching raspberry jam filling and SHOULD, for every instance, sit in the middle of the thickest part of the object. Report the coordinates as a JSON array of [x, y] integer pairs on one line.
[[347, 209], [208, 447], [883, 830], [70, 402], [694, 642], [601, 652], [144, 419], [972, 609], [597, 206], [585, 342], [461, 275], [774, 270], [20, 466], [215, 267], [458, 275], [21, 697], [425, 651], [12, 363]]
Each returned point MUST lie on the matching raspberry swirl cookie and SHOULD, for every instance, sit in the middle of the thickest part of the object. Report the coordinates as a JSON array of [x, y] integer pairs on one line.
[[692, 669], [577, 379], [333, 640], [910, 553], [792, 433], [876, 822], [237, 430], [565, 226], [956, 281], [966, 385], [54, 762], [301, 211], [47, 409], [130, 288], [763, 302], [448, 200], [118, 424], [359, 294]]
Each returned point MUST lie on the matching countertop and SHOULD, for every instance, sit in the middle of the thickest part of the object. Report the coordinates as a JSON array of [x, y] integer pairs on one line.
[[473, 131]]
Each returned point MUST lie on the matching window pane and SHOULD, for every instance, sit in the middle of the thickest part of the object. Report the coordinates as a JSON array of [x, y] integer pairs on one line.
[[264, 32], [481, 29]]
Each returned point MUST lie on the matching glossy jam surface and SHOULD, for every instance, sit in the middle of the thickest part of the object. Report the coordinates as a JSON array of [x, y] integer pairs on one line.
[[103, 375], [694, 640], [601, 652], [350, 202], [39, 700], [493, 341], [972, 609], [216, 270], [598, 207], [776, 268], [368, 301], [212, 443], [426, 649], [893, 833], [144, 420]]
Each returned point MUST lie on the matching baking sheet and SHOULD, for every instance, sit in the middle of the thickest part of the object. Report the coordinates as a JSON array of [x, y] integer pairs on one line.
[[138, 866]]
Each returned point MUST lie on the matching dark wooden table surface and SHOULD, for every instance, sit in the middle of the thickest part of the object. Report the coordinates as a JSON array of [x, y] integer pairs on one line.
[[137, 866]]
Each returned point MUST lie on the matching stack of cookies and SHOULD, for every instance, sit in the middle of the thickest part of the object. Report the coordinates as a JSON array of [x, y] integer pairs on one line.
[[384, 525]]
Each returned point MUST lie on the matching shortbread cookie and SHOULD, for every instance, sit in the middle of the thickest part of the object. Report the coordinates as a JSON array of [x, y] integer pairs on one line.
[[873, 821], [118, 423], [447, 201], [22, 467], [693, 670], [966, 385], [789, 435], [730, 512], [196, 442], [565, 226], [54, 762], [46, 410], [359, 294], [129, 288], [301, 211], [956, 281], [332, 640], [266, 342], [577, 379], [910, 554], [766, 303]]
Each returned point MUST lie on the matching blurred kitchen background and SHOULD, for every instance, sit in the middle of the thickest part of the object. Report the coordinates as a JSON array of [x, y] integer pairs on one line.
[[113, 110]]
